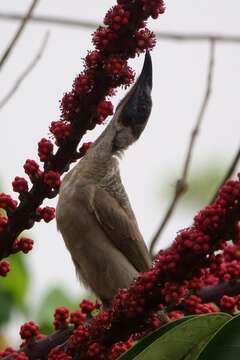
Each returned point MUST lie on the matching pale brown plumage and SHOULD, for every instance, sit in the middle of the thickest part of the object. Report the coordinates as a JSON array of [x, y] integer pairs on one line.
[[93, 213]]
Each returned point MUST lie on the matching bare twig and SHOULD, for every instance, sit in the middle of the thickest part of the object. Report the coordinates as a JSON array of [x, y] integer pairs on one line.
[[18, 33], [26, 72], [229, 173], [171, 36], [181, 184]]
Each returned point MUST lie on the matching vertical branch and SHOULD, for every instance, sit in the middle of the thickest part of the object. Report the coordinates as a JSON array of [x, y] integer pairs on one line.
[[18, 33], [181, 184]]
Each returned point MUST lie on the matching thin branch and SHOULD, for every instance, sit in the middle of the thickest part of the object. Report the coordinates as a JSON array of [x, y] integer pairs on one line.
[[181, 184], [26, 72], [214, 293], [229, 173], [18, 33], [169, 36]]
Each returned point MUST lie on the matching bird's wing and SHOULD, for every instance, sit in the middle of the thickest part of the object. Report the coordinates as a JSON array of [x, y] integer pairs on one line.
[[121, 229]]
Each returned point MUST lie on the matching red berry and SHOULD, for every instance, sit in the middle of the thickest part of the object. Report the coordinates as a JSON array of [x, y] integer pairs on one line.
[[45, 149], [6, 202], [52, 179], [4, 267], [87, 306], [31, 167], [47, 214], [20, 184], [29, 330], [104, 109], [77, 318], [24, 244], [60, 129]]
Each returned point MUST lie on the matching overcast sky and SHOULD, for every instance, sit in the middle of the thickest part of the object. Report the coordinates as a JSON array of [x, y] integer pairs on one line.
[[179, 81]]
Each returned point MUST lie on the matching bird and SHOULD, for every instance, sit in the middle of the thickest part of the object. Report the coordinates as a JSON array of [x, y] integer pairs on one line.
[[93, 213]]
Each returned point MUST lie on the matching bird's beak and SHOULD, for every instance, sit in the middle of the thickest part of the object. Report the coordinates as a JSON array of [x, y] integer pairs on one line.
[[145, 78], [137, 107]]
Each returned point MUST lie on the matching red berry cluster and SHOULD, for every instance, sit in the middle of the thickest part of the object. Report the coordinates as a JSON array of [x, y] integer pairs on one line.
[[144, 39], [57, 354], [31, 167], [119, 348], [96, 351], [14, 354], [229, 303], [77, 318], [83, 83], [117, 17], [103, 37], [87, 306], [4, 267], [92, 59], [118, 70]]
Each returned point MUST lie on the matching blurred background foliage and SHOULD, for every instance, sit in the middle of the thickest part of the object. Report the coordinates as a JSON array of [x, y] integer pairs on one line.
[[15, 302], [202, 181]]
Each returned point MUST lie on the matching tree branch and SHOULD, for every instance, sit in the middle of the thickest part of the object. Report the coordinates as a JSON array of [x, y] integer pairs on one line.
[[181, 184], [212, 293], [40, 348], [229, 173], [26, 72], [168, 36], [18, 33]]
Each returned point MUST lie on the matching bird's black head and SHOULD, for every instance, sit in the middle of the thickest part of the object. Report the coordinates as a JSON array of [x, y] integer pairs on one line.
[[137, 104]]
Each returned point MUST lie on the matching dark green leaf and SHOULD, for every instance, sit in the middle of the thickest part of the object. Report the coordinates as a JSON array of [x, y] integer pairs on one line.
[[142, 344], [225, 345], [177, 343]]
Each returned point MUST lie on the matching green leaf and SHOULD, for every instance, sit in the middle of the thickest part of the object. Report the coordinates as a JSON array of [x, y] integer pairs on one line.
[[225, 345], [6, 306], [177, 343], [142, 344], [16, 282]]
